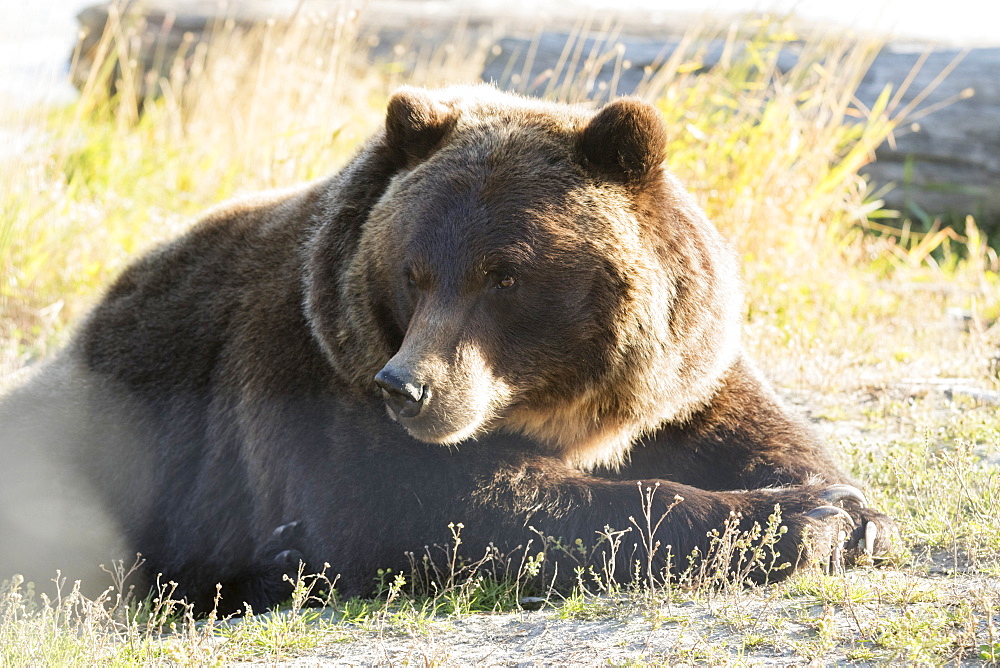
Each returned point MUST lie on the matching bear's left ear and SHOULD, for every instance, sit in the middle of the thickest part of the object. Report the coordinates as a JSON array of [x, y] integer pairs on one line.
[[415, 123], [625, 141]]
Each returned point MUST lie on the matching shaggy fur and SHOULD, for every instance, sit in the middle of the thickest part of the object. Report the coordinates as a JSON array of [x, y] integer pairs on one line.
[[502, 312]]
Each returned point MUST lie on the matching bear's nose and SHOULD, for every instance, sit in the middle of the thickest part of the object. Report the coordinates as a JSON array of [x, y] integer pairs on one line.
[[404, 395]]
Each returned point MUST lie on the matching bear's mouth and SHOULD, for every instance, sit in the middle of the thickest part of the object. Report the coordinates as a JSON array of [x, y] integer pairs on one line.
[[430, 430], [444, 418]]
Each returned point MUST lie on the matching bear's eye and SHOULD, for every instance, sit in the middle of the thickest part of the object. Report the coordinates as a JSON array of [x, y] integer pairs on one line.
[[506, 282], [410, 278]]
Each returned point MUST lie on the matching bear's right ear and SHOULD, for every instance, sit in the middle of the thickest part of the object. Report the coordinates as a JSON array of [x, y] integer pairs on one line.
[[625, 141], [415, 124]]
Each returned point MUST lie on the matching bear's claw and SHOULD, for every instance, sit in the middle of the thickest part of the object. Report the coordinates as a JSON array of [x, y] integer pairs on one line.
[[834, 560], [288, 558], [868, 542], [824, 512], [835, 493]]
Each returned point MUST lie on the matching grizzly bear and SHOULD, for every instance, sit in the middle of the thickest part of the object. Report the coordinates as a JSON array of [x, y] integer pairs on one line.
[[503, 313]]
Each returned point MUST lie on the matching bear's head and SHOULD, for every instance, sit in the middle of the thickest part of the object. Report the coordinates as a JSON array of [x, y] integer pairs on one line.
[[495, 263]]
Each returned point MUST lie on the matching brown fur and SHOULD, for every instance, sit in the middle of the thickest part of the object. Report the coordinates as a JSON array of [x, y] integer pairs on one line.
[[520, 281]]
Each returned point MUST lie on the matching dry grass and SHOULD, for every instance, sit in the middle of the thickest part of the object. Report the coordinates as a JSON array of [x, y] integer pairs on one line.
[[850, 319]]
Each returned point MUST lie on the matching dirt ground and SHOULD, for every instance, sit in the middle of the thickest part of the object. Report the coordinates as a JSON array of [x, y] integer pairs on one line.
[[751, 629]]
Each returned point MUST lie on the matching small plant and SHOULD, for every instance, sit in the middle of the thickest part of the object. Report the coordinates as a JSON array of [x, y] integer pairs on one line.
[[990, 653]]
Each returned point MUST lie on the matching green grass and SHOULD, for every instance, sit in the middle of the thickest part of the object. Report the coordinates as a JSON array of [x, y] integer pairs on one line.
[[848, 316]]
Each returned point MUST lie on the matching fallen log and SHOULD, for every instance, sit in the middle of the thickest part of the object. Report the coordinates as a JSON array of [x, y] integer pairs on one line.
[[946, 162]]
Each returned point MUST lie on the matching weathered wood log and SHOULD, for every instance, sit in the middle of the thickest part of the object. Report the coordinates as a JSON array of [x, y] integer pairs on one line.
[[945, 162], [591, 67], [160, 35], [949, 160]]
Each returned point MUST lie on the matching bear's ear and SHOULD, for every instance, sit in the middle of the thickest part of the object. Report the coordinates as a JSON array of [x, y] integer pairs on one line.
[[415, 123], [625, 141]]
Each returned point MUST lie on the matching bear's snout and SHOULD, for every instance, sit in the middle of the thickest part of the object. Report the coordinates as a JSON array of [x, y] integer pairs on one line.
[[439, 399], [401, 391]]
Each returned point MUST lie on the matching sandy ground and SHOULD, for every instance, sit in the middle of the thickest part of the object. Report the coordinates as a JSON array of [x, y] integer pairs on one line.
[[743, 629]]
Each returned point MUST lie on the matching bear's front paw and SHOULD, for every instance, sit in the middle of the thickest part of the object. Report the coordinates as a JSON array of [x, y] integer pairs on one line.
[[283, 548], [854, 533]]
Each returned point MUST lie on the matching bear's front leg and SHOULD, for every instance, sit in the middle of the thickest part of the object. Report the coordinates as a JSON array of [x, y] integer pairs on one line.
[[757, 535], [745, 439]]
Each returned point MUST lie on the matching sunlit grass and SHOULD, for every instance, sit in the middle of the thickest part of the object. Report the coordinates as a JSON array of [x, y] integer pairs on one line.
[[112, 175], [772, 156]]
